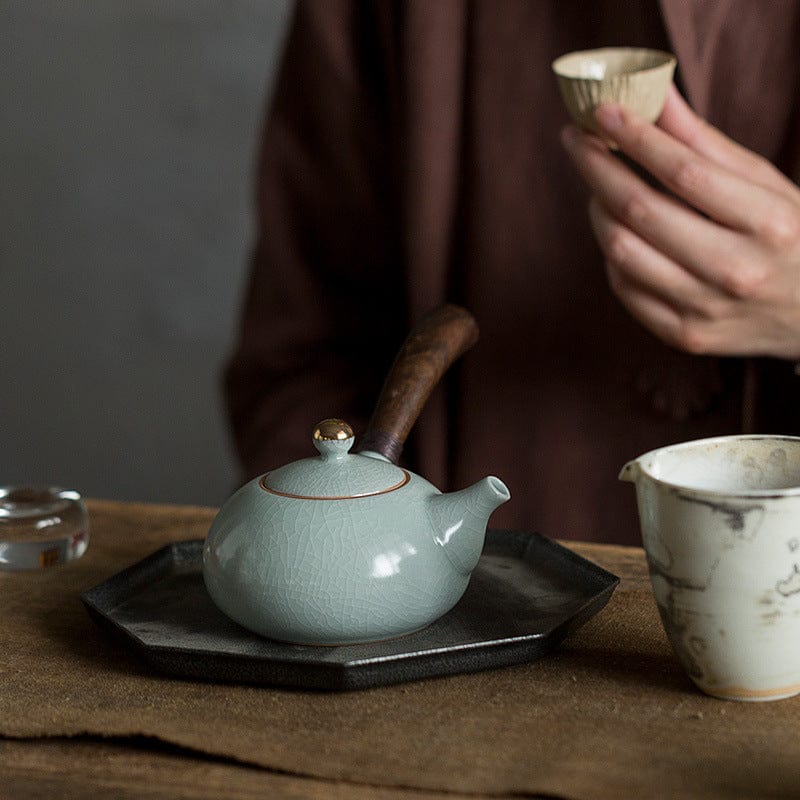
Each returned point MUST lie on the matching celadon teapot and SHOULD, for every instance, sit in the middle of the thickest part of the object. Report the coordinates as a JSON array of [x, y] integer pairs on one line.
[[348, 547]]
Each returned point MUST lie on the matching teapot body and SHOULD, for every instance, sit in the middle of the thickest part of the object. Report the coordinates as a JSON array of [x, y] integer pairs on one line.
[[330, 571]]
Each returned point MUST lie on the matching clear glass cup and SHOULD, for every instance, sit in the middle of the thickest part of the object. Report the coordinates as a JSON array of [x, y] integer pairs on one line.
[[41, 527]]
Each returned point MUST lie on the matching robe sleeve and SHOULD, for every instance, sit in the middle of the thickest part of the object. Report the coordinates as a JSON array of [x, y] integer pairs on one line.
[[323, 311]]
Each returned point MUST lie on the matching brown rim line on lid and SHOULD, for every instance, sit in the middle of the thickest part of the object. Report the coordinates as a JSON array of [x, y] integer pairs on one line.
[[262, 483]]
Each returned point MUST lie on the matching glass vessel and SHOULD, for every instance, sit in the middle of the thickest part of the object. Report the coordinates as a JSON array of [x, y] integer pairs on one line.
[[41, 527]]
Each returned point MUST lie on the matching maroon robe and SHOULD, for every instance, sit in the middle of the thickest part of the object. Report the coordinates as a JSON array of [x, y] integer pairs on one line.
[[411, 157]]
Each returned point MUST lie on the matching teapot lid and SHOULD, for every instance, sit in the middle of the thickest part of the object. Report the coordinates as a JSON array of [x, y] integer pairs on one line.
[[335, 474]]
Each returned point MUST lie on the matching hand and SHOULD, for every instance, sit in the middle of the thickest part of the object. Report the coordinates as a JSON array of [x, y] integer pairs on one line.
[[714, 267]]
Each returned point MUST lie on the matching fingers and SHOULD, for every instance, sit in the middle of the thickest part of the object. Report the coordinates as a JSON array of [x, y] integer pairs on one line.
[[712, 252], [712, 266], [698, 179], [666, 299], [632, 261], [681, 122], [686, 312], [650, 311]]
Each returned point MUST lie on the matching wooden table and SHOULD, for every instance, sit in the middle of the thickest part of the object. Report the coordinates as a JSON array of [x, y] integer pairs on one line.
[[610, 714]]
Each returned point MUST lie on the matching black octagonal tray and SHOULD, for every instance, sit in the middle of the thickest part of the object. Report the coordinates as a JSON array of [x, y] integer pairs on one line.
[[525, 596]]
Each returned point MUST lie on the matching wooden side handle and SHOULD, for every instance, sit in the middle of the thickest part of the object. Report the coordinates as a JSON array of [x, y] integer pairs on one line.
[[433, 345]]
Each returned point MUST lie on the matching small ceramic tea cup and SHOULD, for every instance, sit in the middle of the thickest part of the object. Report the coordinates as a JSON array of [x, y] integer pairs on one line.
[[720, 523], [638, 78]]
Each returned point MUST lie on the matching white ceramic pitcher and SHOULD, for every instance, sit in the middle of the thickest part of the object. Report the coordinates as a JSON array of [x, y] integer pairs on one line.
[[720, 523]]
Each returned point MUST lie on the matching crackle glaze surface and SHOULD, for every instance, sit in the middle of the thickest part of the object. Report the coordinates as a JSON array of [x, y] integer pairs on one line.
[[720, 525], [326, 571]]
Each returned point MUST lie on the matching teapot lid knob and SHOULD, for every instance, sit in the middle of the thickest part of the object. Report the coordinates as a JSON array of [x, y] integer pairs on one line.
[[333, 438], [334, 474]]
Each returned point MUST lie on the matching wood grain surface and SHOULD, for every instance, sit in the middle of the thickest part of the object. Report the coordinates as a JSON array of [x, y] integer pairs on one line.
[[434, 344]]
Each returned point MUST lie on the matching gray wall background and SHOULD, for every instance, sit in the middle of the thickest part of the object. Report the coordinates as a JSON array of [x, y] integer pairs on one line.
[[127, 144]]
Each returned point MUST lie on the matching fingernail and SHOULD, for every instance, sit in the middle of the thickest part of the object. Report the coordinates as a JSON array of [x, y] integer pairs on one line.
[[610, 117]]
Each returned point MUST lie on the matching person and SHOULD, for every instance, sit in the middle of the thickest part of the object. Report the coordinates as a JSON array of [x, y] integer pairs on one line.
[[417, 153]]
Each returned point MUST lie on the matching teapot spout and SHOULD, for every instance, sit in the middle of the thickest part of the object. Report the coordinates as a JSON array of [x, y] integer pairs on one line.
[[460, 520]]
